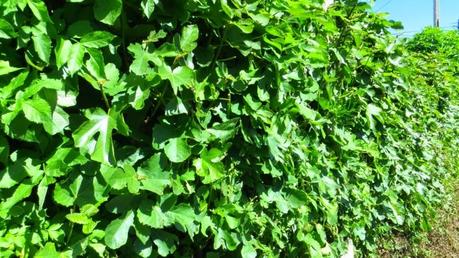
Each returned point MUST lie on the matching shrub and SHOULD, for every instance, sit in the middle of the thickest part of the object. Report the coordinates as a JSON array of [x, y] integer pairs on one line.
[[195, 128]]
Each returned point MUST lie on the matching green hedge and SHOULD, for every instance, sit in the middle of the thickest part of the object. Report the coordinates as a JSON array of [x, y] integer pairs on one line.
[[213, 128]]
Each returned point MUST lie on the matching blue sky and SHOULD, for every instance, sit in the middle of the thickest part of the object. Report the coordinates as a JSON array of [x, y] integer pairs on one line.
[[416, 14]]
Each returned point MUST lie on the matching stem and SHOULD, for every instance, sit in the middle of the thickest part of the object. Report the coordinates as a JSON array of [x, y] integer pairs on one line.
[[219, 50], [71, 228], [161, 99], [104, 97]]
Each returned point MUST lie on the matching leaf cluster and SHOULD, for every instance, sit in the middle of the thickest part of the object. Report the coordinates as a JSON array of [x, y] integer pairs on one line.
[[214, 128]]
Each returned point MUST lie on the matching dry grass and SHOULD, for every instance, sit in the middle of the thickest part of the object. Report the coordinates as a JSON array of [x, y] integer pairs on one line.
[[441, 242]]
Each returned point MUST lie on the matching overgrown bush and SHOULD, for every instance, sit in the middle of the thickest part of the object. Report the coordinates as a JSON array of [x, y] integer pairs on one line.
[[435, 70], [210, 128]]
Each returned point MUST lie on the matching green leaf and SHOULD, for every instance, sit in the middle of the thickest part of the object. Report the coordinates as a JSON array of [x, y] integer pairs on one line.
[[183, 214], [37, 111], [138, 96], [42, 45], [59, 122], [67, 194], [248, 251], [152, 176], [209, 166], [39, 10], [181, 75], [155, 36], [102, 124], [245, 26], [116, 233], [373, 111], [4, 150], [6, 30], [78, 218], [133, 183], [115, 177], [224, 131], [97, 39], [177, 150], [166, 242], [140, 65], [5, 68], [95, 64], [175, 107], [49, 250], [23, 191], [62, 52], [75, 58], [151, 215], [17, 171], [148, 6], [108, 11], [37, 85], [190, 35]]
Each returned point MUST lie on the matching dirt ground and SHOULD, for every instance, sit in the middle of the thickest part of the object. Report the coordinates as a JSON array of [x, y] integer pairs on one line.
[[441, 242], [444, 239]]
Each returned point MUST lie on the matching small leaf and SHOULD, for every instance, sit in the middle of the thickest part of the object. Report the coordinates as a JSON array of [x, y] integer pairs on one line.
[[97, 39], [188, 38], [39, 10], [175, 107], [21, 192], [62, 52], [95, 64], [209, 166], [78, 218], [66, 194], [166, 242], [140, 65], [6, 29], [224, 131], [107, 11], [60, 121], [248, 251], [181, 75], [245, 26], [5, 68], [49, 250], [42, 45], [148, 6], [177, 150], [37, 111], [151, 215], [75, 59], [116, 233], [183, 214], [153, 178]]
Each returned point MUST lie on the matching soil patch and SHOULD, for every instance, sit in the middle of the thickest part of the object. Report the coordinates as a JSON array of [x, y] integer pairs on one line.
[[442, 241]]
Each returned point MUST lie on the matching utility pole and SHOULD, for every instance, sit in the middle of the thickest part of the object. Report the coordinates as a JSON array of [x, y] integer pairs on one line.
[[436, 13]]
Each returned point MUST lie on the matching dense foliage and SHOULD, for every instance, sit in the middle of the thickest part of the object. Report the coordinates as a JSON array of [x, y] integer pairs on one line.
[[434, 67], [214, 128]]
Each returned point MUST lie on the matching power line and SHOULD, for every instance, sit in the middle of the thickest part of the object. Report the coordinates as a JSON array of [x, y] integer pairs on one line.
[[412, 32], [386, 4]]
